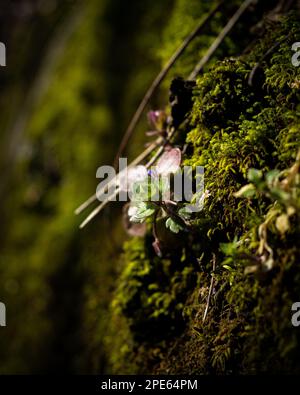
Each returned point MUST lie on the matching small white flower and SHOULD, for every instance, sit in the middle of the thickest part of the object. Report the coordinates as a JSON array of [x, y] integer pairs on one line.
[[132, 212]]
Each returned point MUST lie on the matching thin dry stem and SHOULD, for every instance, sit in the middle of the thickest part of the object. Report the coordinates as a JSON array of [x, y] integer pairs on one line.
[[218, 41], [210, 289], [160, 77]]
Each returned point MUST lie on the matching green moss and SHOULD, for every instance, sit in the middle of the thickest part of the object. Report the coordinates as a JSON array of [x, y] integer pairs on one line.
[[151, 295], [232, 127], [186, 15]]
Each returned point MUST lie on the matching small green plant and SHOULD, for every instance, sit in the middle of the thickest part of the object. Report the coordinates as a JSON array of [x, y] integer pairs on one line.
[[281, 189], [153, 198]]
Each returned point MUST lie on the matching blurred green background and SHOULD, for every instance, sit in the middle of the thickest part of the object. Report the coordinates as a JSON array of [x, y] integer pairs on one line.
[[75, 73]]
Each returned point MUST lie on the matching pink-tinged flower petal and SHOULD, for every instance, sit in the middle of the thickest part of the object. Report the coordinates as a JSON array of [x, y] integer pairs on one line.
[[158, 119], [153, 117], [157, 247], [134, 174], [169, 162]]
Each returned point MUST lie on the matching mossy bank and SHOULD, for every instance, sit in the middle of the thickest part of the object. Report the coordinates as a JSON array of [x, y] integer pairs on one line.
[[247, 242]]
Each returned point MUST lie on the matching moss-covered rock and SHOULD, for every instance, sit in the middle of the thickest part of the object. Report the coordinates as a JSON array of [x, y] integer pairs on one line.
[[234, 125]]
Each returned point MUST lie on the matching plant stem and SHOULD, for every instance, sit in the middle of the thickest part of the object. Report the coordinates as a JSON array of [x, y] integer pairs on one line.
[[215, 45], [210, 289]]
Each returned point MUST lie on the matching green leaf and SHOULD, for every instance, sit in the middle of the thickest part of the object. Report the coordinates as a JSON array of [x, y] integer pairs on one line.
[[254, 175], [164, 186], [229, 249], [272, 176], [185, 212], [229, 268], [146, 190], [279, 194], [139, 211], [173, 226], [282, 223], [247, 191]]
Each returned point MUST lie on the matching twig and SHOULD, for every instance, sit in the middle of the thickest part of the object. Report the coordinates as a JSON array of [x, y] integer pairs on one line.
[[233, 20], [210, 289], [269, 51], [98, 209], [135, 162], [160, 77], [138, 114], [161, 149], [149, 94]]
